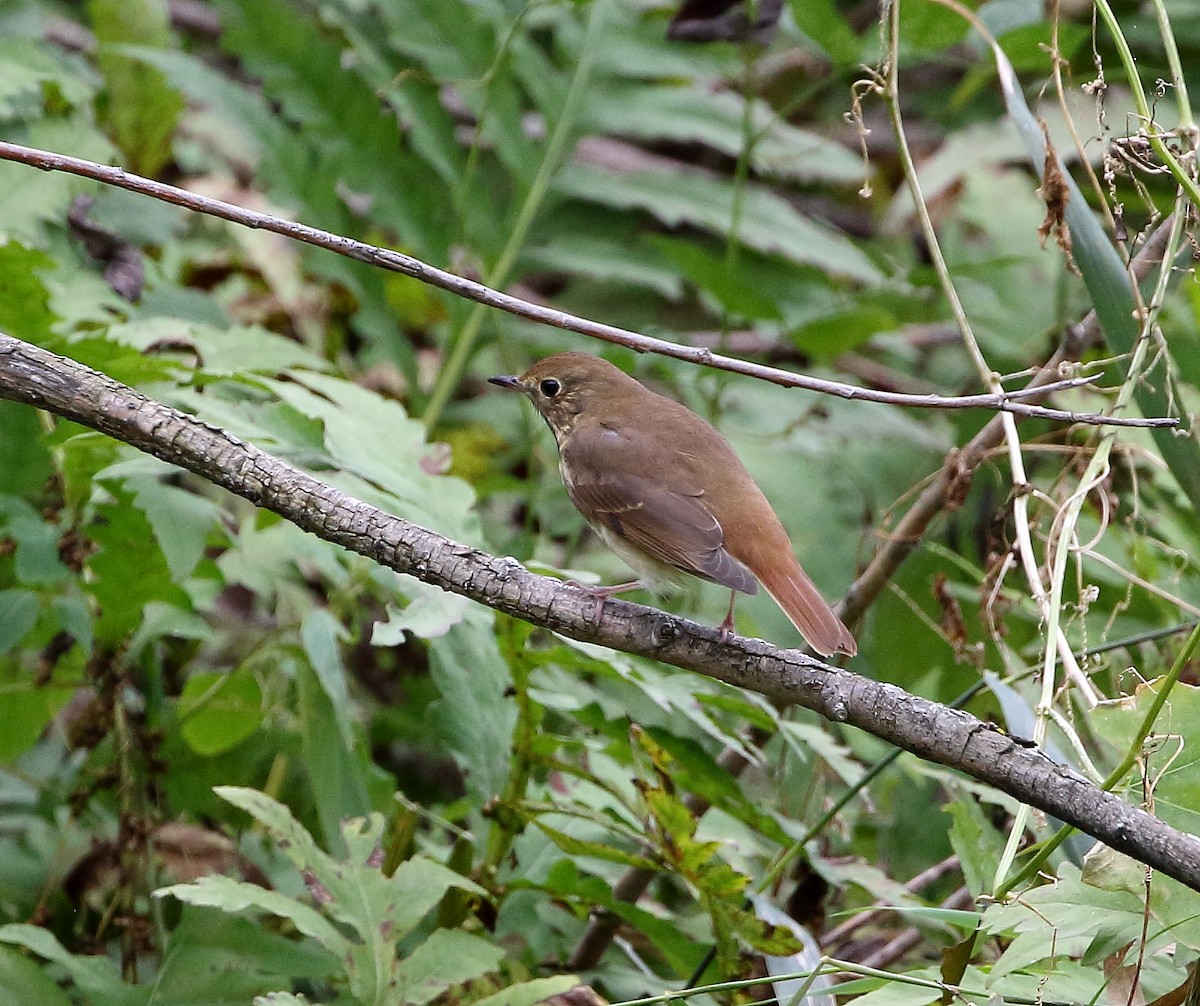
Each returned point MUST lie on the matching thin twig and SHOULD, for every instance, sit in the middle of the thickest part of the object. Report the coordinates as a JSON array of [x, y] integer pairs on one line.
[[386, 258]]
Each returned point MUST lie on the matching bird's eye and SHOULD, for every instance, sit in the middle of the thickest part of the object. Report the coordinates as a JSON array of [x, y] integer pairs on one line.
[[550, 387]]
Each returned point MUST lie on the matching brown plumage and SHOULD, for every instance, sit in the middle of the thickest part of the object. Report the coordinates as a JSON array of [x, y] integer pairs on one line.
[[667, 493]]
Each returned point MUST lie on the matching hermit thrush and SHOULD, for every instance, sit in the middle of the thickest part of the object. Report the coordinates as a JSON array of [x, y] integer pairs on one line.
[[666, 492]]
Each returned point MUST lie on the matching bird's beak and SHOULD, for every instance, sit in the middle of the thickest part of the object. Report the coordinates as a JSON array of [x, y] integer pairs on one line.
[[508, 381]]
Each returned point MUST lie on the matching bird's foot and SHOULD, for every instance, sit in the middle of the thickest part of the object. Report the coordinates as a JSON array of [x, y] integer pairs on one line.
[[602, 594], [726, 627]]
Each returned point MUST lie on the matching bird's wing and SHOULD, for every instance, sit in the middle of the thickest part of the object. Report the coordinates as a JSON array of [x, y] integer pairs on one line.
[[671, 524]]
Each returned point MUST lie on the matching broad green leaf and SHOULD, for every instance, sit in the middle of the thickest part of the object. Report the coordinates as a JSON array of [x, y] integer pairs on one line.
[[531, 992], [219, 711], [229, 960], [449, 957], [430, 613], [303, 69], [97, 977], [181, 522], [612, 262], [1173, 756], [473, 716], [27, 67], [25, 710], [362, 896], [976, 843], [698, 114], [333, 756], [129, 571], [767, 222], [142, 109], [22, 981], [18, 615], [24, 460], [821, 21], [24, 300]]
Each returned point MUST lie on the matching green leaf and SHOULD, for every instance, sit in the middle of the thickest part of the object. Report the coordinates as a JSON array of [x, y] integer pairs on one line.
[[430, 613], [24, 460], [181, 522], [338, 768], [25, 711], [1177, 789], [219, 711], [18, 615], [24, 301], [142, 109], [976, 842], [821, 21], [449, 957], [321, 633], [97, 977], [473, 716], [696, 113], [711, 273], [573, 846], [22, 981], [129, 571], [231, 959], [231, 895], [36, 562], [531, 992], [767, 222]]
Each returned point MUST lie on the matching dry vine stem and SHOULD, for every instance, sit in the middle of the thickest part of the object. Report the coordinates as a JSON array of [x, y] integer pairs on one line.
[[35, 377], [470, 290]]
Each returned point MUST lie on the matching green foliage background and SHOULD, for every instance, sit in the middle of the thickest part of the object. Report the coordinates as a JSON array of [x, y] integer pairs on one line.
[[236, 760]]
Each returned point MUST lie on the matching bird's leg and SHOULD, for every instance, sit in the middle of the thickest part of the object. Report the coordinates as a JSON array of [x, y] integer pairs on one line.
[[602, 594], [726, 627]]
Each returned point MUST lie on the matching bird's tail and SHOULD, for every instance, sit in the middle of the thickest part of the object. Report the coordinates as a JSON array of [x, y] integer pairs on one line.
[[800, 600]]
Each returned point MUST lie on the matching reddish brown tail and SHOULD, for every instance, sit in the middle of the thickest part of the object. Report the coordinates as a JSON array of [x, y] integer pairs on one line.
[[800, 600]]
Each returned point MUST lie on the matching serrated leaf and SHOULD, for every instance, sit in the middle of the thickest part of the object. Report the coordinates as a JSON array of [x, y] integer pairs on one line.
[[129, 571], [767, 222], [448, 957], [573, 846], [181, 522], [231, 895], [692, 113]]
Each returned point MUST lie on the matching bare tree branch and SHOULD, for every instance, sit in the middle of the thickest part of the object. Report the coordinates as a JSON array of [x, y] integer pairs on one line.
[[395, 261], [41, 379]]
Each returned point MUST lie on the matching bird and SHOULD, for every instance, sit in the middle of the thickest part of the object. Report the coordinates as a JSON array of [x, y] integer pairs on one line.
[[668, 494]]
